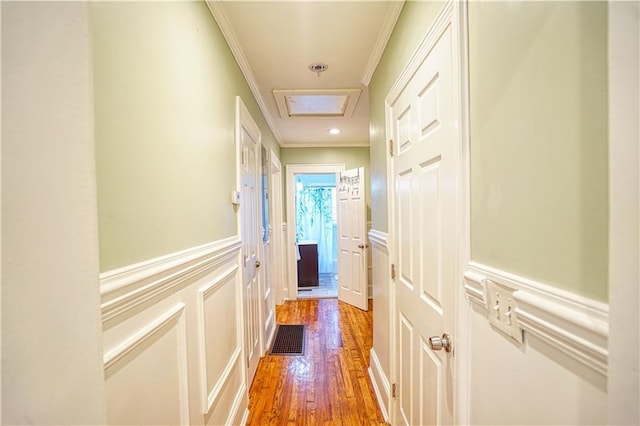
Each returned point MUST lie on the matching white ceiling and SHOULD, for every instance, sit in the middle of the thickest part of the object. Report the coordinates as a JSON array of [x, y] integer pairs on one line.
[[275, 42]]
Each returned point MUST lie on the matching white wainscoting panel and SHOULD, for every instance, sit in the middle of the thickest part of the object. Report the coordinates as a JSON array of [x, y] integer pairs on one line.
[[146, 375], [220, 348], [380, 384], [380, 355], [172, 338], [570, 323]]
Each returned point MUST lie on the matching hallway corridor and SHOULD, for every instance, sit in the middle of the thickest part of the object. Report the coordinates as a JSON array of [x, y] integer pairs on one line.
[[329, 384]]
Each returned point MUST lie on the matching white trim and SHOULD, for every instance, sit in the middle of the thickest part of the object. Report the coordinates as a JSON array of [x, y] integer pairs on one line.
[[114, 355], [462, 414], [574, 333], [573, 324], [475, 287], [237, 402], [393, 13], [125, 288], [375, 370], [291, 171], [224, 377], [624, 212], [380, 239], [208, 398], [174, 316], [245, 416], [270, 324], [217, 10]]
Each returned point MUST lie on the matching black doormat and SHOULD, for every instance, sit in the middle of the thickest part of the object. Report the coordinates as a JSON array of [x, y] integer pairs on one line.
[[289, 340]]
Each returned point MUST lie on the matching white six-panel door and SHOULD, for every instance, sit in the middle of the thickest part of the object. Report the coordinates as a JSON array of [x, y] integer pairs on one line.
[[424, 163], [352, 238], [249, 146]]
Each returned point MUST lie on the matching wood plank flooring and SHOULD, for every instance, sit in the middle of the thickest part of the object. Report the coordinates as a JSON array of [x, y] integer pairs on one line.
[[329, 385]]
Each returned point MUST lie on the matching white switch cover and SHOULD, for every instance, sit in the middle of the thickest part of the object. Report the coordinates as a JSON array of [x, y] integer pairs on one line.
[[235, 198], [502, 310]]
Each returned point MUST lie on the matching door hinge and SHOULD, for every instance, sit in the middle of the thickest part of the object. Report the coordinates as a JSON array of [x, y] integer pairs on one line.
[[391, 147], [394, 393], [393, 271], [247, 362]]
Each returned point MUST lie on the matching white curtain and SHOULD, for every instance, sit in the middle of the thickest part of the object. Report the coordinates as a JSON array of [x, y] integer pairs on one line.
[[316, 222]]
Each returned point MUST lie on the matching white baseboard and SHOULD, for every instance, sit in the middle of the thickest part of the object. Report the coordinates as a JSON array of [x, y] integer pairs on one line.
[[379, 380], [571, 323]]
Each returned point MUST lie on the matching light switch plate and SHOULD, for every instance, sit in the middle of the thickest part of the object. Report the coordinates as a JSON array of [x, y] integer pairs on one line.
[[502, 310], [235, 198]]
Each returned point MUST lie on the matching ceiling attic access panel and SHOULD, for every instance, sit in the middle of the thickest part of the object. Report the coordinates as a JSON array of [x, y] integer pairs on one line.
[[316, 103]]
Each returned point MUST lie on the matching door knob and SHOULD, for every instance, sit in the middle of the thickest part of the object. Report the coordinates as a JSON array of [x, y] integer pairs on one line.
[[257, 263], [437, 343], [363, 246]]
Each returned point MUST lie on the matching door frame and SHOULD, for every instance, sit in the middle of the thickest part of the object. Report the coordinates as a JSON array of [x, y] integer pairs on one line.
[[291, 293], [453, 13], [624, 206]]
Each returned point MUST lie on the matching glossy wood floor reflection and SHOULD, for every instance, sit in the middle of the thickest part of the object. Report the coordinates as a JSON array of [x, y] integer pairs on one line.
[[329, 385]]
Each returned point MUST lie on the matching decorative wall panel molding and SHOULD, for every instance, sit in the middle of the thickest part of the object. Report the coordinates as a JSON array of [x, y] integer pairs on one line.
[[379, 378], [571, 323], [211, 391], [147, 341], [237, 405], [125, 288]]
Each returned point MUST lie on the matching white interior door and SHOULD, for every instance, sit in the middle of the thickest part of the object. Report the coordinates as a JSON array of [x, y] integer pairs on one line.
[[276, 259], [425, 165], [268, 317], [352, 238], [249, 149]]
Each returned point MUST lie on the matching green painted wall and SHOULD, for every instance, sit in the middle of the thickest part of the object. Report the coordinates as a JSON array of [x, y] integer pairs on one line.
[[539, 145], [165, 88], [539, 176], [412, 25], [350, 157]]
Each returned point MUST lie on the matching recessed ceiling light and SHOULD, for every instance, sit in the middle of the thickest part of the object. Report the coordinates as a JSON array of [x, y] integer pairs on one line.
[[334, 131]]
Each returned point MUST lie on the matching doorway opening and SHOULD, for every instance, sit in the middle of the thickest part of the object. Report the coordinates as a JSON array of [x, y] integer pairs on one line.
[[316, 235]]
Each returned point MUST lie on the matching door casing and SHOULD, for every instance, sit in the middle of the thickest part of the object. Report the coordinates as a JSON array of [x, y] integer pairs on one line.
[[293, 169]]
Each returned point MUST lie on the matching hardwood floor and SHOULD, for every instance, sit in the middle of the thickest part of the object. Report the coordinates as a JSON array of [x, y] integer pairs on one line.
[[329, 385]]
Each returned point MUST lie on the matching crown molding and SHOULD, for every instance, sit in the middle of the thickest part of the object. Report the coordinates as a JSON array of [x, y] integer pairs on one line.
[[383, 38], [217, 11]]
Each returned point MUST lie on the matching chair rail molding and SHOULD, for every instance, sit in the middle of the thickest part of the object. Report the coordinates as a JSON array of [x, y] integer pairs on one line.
[[379, 238], [125, 288], [571, 323]]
